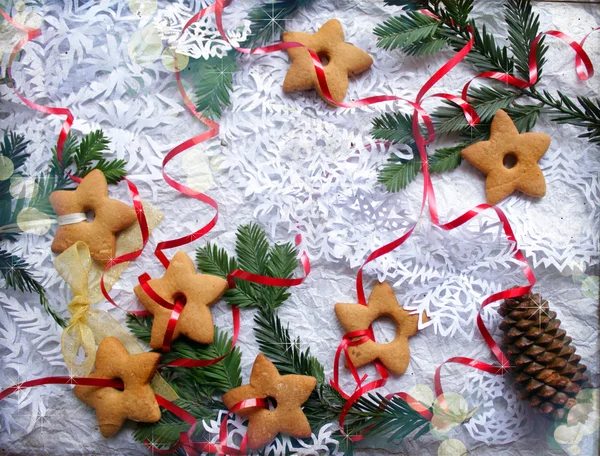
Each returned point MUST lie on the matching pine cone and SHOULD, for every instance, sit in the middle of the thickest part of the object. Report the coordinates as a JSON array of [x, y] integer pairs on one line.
[[542, 359]]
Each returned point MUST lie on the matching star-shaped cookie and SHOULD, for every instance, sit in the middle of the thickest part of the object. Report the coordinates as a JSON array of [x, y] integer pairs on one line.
[[110, 217], [509, 159], [394, 355], [200, 292], [136, 402], [289, 392], [343, 59]]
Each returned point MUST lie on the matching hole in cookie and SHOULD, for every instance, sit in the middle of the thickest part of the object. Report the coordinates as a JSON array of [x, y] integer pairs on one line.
[[384, 329], [179, 297], [272, 402], [509, 161], [324, 58], [90, 216]]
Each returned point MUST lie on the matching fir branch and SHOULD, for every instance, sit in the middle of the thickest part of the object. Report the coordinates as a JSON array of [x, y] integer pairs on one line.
[[393, 417], [90, 149], [13, 148], [401, 31], [69, 150], [215, 261], [252, 248], [523, 28], [254, 255], [395, 127], [399, 172], [459, 10], [565, 110], [113, 170], [426, 47], [275, 342], [165, 432], [214, 85], [445, 159], [17, 276], [408, 5], [524, 116], [81, 158], [486, 54], [266, 19]]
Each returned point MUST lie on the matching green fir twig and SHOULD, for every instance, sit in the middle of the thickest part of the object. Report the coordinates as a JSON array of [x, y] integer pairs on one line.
[[410, 34]]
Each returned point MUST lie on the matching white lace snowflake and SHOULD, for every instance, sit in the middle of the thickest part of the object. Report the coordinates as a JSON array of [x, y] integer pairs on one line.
[[201, 39]]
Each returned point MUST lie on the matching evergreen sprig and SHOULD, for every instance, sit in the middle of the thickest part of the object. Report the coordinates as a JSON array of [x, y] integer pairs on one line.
[[486, 55], [405, 30], [266, 20], [254, 255], [213, 81], [523, 28], [275, 342], [88, 156], [13, 148], [17, 275], [398, 172], [15, 271]]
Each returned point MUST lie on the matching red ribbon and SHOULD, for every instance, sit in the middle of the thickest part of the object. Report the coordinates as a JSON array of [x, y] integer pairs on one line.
[[62, 380]]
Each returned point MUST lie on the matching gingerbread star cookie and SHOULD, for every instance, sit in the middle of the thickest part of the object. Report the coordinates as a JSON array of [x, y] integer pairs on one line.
[[509, 159], [289, 392], [394, 355], [200, 291], [136, 402], [343, 59], [110, 217]]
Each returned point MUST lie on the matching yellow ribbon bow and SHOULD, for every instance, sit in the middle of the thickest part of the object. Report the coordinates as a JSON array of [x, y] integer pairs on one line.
[[88, 326]]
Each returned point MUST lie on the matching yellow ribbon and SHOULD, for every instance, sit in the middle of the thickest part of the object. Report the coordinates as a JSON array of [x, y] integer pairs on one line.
[[88, 326]]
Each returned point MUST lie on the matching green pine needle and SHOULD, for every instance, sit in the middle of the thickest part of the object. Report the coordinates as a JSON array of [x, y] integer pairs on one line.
[[17, 276], [523, 28], [114, 170], [524, 116], [90, 149], [267, 21], [399, 172], [445, 159], [252, 248], [256, 256], [392, 417], [395, 127], [215, 261], [275, 342], [401, 31], [14, 148], [426, 47], [214, 86]]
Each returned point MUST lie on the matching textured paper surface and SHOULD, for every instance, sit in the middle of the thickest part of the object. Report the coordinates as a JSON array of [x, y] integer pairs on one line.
[[293, 163]]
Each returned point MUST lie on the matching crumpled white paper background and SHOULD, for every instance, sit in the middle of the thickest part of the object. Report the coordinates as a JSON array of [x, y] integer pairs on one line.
[[296, 165]]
